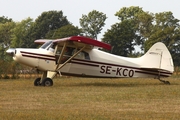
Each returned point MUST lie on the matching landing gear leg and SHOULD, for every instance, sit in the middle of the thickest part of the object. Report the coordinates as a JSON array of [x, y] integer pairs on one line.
[[165, 82]]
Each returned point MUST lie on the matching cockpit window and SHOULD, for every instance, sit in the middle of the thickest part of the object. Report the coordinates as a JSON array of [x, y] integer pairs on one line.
[[46, 45]]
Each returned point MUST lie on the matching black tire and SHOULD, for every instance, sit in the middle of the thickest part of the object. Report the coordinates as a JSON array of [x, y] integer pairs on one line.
[[37, 82], [47, 82]]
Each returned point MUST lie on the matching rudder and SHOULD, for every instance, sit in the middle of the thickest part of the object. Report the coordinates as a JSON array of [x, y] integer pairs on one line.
[[158, 57]]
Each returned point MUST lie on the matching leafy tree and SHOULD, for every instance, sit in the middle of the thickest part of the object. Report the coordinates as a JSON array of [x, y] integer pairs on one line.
[[6, 25], [5, 37], [141, 22], [128, 13], [4, 19], [46, 22], [144, 25], [121, 36], [128, 33], [20, 32], [65, 31], [166, 29], [92, 23]]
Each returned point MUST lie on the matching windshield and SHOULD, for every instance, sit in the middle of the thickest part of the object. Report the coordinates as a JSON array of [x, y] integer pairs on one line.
[[46, 44]]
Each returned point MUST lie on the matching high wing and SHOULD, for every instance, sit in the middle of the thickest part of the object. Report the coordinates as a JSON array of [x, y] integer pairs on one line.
[[78, 41]]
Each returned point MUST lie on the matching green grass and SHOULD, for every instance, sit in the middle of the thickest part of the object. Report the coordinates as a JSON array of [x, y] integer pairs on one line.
[[75, 98]]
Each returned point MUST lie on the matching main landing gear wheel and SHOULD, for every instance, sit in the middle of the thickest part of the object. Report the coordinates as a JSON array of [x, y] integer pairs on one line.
[[47, 82], [37, 82]]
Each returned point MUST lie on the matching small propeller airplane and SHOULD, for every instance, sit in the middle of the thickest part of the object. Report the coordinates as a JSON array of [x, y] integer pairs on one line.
[[80, 56]]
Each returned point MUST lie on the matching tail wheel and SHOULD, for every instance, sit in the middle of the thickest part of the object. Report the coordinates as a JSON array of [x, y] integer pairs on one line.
[[47, 82], [37, 82]]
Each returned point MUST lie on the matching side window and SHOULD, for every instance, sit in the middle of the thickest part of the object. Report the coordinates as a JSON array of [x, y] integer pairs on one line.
[[86, 56], [58, 51], [68, 51], [66, 55], [82, 55]]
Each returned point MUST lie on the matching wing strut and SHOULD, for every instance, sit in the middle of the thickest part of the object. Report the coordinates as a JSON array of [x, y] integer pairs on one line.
[[77, 52], [61, 56], [59, 65]]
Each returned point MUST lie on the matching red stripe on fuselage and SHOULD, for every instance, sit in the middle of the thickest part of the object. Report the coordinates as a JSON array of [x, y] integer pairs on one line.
[[39, 56], [163, 73]]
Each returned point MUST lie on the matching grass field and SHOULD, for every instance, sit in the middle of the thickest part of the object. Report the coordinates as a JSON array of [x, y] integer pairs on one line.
[[75, 98]]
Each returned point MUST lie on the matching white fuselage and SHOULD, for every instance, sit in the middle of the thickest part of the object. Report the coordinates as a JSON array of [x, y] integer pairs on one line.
[[99, 64]]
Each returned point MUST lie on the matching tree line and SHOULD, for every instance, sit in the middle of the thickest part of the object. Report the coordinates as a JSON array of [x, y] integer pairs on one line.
[[135, 27]]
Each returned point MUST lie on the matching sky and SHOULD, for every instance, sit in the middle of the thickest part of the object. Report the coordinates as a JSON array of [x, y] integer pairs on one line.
[[74, 9]]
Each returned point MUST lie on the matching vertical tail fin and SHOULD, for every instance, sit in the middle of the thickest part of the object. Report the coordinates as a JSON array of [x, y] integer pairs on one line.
[[158, 57]]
